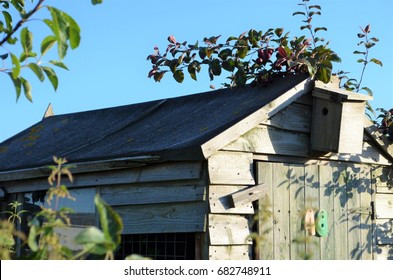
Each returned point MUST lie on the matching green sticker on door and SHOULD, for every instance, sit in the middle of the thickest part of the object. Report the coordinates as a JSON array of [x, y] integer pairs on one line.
[[321, 223]]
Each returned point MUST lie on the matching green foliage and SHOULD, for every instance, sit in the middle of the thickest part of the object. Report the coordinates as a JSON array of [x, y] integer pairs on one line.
[[386, 124], [43, 240], [254, 57], [352, 84], [64, 32], [105, 241]]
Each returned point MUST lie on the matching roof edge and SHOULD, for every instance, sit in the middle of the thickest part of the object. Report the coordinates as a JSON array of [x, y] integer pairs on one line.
[[381, 141], [261, 115], [80, 167]]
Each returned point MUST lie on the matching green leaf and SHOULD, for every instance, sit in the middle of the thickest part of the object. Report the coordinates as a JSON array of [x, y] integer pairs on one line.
[[192, 72], [209, 52], [158, 76], [32, 238], [320, 28], [59, 28], [202, 52], [279, 31], [73, 31], [368, 90], [58, 64], [90, 235], [315, 7], [369, 45], [229, 65], [110, 221], [15, 66], [310, 14], [27, 89], [376, 61], [361, 60], [95, 2], [179, 76], [299, 13], [324, 74], [47, 44], [225, 53], [4, 56], [358, 52], [242, 49], [51, 74], [304, 27], [26, 39], [193, 68], [17, 85], [37, 71], [8, 21]]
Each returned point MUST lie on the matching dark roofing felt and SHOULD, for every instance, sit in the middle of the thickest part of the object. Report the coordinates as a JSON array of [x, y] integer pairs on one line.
[[171, 128]]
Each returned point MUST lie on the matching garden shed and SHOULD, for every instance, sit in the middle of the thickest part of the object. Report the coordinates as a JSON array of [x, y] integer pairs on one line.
[[188, 175]]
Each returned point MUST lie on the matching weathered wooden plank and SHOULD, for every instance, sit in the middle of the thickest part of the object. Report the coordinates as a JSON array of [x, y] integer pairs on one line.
[[281, 234], [340, 214], [351, 127], [268, 140], [384, 231], [272, 141], [311, 180], [265, 212], [149, 173], [248, 195], [381, 141], [231, 168], [384, 188], [305, 99], [367, 228], [384, 206], [257, 117], [237, 252], [384, 252], [174, 217], [355, 246], [383, 177], [326, 203], [80, 167], [229, 230], [296, 117], [220, 200], [134, 194], [296, 210]]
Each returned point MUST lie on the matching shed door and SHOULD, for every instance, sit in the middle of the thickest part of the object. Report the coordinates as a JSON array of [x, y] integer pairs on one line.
[[343, 190]]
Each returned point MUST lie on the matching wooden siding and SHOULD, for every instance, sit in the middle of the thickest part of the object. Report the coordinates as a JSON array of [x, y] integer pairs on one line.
[[150, 193], [343, 190], [287, 133], [231, 168], [172, 200], [220, 200], [238, 252], [174, 171], [161, 218], [229, 228], [383, 182]]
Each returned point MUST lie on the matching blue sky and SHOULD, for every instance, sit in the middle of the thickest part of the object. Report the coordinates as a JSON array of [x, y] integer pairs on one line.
[[110, 67]]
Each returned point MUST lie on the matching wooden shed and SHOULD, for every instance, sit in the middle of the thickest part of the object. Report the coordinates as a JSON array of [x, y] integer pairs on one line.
[[189, 174]]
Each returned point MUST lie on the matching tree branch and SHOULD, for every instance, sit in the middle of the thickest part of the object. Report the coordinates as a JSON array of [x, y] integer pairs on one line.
[[21, 22]]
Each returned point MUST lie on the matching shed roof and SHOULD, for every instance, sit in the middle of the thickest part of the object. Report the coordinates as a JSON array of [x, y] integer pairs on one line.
[[171, 128]]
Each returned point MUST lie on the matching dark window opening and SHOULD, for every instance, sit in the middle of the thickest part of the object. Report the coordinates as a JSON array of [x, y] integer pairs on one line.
[[158, 246]]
